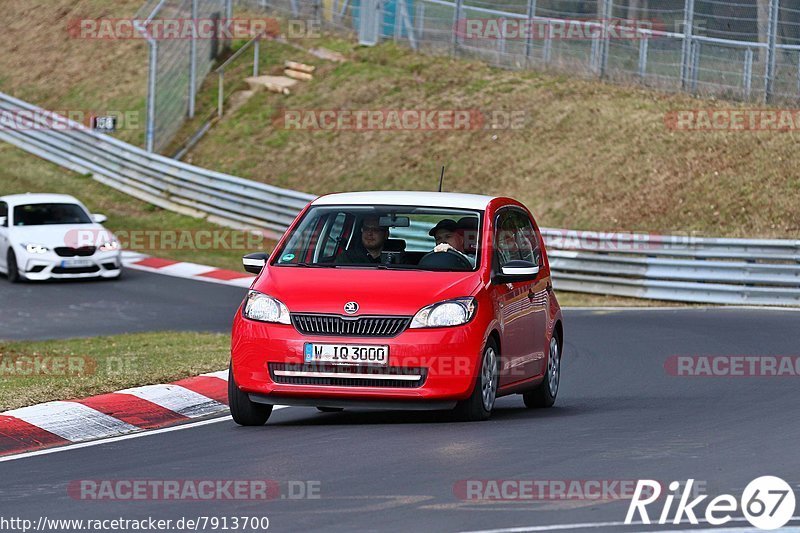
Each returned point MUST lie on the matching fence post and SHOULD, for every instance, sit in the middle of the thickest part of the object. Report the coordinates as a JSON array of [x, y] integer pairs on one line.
[[548, 42], [686, 51], [695, 71], [456, 20], [606, 42], [228, 9], [150, 134], [221, 93], [193, 61], [748, 73], [644, 42], [772, 39], [256, 55], [403, 19], [531, 13]]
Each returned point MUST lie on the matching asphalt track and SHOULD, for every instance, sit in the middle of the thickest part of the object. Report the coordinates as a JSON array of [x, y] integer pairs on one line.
[[620, 416], [140, 301]]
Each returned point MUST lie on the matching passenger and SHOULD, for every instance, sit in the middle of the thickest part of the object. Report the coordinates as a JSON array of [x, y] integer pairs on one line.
[[447, 236], [370, 248]]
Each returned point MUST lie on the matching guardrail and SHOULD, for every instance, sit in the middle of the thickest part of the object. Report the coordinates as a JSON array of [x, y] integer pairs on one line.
[[678, 268]]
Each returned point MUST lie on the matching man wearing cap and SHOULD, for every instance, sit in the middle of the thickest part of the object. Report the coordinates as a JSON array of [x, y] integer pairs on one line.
[[448, 236], [373, 239]]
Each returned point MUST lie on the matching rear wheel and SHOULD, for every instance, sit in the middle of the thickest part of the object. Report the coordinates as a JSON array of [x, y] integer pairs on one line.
[[13, 269], [244, 411], [481, 402], [545, 394]]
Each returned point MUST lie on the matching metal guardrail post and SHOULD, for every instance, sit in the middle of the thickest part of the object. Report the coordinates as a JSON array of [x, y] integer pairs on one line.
[[193, 62], [221, 93], [686, 50], [772, 38]]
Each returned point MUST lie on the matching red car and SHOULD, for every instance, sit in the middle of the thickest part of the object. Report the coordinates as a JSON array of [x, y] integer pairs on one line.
[[399, 300]]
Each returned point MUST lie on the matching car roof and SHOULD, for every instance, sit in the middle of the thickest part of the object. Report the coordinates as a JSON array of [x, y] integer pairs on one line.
[[39, 198], [410, 198]]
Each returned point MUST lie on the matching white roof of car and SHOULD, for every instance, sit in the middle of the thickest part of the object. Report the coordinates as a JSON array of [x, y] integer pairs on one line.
[[410, 198], [39, 198]]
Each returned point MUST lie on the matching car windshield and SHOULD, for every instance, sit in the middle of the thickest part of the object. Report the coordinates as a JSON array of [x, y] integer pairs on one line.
[[384, 237], [47, 214]]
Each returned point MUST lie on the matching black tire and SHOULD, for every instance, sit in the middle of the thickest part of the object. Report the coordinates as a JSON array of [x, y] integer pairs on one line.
[[477, 407], [13, 270], [330, 409], [545, 394], [243, 411]]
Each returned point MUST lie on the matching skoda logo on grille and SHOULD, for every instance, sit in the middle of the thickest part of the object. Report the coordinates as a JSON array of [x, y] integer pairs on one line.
[[351, 308]]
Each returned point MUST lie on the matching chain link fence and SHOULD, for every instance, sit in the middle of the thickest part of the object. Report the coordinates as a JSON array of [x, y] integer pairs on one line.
[[737, 49], [177, 66]]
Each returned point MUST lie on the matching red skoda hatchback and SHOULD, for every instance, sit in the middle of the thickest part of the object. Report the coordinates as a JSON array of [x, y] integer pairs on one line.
[[399, 300]]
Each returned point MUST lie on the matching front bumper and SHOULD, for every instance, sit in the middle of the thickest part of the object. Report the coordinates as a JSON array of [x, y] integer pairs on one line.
[[446, 360], [41, 267]]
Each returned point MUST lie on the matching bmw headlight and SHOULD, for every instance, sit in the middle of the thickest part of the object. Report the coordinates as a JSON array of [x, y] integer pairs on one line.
[[264, 308], [36, 248], [445, 314], [109, 246]]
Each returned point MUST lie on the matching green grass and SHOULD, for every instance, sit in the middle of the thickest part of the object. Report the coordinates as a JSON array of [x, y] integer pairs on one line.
[[21, 172], [105, 364]]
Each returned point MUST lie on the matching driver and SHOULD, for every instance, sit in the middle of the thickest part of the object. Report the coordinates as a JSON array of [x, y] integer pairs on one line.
[[373, 240], [448, 236]]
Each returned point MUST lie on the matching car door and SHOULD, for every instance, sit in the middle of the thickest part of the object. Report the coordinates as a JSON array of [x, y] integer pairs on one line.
[[513, 300], [530, 249], [4, 235]]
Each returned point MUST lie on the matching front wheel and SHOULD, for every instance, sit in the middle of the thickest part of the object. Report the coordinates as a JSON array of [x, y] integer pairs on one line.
[[13, 269], [545, 394], [244, 411], [481, 402]]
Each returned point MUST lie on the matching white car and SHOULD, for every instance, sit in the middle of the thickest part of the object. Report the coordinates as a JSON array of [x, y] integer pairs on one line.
[[44, 236]]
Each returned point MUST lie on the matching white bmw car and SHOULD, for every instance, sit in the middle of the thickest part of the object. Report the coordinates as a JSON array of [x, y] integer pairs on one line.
[[44, 236]]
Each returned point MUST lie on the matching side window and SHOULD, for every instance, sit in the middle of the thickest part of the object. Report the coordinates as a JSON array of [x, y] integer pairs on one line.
[[333, 237], [515, 238], [505, 245]]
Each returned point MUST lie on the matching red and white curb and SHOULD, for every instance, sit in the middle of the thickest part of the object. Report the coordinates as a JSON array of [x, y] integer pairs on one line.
[[180, 269], [108, 415]]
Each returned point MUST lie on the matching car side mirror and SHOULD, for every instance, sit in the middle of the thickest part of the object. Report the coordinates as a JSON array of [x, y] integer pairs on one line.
[[254, 263], [515, 271], [3, 222], [99, 219]]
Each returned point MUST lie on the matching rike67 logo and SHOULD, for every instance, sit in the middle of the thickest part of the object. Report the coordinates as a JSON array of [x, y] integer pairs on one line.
[[767, 503]]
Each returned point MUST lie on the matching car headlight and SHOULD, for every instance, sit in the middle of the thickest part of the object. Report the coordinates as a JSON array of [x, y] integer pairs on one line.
[[109, 246], [445, 314], [36, 248], [264, 308]]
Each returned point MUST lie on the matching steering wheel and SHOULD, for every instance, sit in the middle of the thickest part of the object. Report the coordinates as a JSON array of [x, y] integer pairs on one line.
[[451, 259]]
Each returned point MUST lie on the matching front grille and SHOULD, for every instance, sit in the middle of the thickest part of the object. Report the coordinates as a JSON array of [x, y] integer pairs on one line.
[[80, 270], [83, 251], [348, 376], [338, 326]]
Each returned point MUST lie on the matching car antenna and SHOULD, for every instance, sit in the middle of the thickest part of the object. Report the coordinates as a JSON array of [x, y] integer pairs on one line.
[[441, 179]]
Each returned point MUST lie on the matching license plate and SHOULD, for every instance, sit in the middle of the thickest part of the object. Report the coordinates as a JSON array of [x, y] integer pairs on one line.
[[76, 263], [346, 354]]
